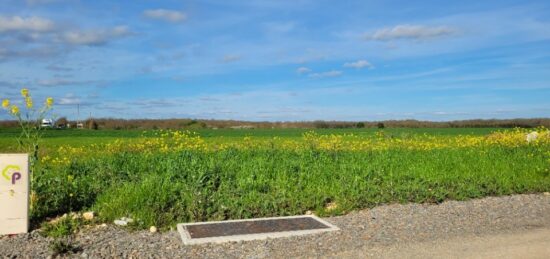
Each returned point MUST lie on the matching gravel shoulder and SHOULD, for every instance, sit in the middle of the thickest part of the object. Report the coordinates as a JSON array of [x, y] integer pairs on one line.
[[508, 226]]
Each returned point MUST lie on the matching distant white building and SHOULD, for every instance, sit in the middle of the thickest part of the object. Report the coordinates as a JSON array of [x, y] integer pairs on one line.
[[47, 123]]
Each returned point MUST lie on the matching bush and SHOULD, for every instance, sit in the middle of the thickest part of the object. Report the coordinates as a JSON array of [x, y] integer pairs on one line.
[[91, 124], [320, 124], [61, 122], [65, 226]]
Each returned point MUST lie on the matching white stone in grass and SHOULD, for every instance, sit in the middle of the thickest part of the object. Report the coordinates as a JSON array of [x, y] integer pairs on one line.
[[120, 222], [88, 215], [532, 136], [153, 229], [124, 221]]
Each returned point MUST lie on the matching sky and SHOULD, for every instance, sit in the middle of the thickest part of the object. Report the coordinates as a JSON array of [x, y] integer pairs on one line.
[[256, 60]]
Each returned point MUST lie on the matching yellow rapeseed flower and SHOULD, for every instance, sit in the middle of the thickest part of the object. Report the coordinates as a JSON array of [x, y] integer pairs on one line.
[[28, 100], [25, 92], [49, 102], [5, 103], [14, 110]]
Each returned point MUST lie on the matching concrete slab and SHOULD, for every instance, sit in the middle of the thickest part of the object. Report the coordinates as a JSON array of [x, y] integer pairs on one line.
[[252, 229]]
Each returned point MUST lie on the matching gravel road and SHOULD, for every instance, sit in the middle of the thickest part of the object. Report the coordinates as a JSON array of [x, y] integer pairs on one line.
[[499, 227]]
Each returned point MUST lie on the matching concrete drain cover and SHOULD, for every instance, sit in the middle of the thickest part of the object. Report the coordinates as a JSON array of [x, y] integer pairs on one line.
[[252, 229]]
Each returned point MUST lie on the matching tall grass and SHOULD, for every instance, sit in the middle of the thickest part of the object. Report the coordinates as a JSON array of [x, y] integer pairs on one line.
[[163, 188]]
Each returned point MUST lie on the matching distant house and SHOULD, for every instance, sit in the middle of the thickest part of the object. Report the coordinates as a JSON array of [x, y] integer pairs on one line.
[[47, 123]]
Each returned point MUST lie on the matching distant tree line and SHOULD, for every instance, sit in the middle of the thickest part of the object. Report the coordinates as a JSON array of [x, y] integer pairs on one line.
[[145, 124]]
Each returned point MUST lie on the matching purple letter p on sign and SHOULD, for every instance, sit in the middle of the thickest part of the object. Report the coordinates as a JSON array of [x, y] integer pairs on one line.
[[14, 193]]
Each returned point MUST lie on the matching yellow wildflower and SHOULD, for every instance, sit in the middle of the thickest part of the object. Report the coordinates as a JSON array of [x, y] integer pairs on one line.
[[14, 110], [25, 92], [49, 102], [5, 103], [28, 100]]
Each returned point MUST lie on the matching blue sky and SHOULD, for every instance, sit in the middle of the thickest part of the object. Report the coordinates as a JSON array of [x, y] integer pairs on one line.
[[280, 60]]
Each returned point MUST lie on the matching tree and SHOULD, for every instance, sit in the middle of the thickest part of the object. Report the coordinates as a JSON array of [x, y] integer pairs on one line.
[[321, 124], [360, 125], [381, 125], [61, 122], [91, 124]]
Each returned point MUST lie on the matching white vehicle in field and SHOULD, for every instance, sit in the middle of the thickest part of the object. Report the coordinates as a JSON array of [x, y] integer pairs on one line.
[[47, 123]]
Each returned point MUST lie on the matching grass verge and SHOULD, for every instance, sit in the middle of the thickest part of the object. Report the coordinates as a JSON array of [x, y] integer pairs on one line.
[[162, 189]]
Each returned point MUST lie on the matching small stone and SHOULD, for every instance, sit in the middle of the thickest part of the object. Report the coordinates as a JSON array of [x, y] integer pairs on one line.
[[88, 215], [309, 212], [129, 220], [120, 222], [103, 225], [546, 193], [153, 229]]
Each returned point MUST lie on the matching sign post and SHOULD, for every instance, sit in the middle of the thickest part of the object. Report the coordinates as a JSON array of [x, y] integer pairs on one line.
[[14, 193]]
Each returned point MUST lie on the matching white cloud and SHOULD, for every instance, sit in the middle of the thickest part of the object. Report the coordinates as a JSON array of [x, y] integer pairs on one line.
[[69, 99], [231, 58], [359, 64], [95, 37], [303, 70], [165, 15], [30, 24], [407, 31], [332, 73]]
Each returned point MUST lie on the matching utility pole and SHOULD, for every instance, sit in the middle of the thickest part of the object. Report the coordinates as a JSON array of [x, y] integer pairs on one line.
[[78, 123]]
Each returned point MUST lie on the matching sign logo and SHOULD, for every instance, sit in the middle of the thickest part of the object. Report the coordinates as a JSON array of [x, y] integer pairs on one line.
[[12, 173]]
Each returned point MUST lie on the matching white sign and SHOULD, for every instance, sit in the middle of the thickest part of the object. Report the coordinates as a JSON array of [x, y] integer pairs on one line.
[[14, 193]]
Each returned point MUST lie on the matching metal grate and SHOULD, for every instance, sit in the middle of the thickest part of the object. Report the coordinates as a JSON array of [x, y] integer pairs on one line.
[[251, 229]]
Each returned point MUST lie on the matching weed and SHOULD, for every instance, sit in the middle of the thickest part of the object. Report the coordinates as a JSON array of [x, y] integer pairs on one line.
[[65, 226], [61, 246]]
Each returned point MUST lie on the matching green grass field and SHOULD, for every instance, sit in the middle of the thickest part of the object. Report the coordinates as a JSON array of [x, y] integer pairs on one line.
[[77, 137], [161, 178]]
